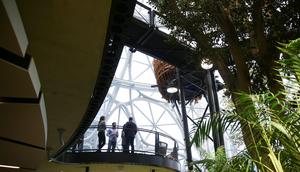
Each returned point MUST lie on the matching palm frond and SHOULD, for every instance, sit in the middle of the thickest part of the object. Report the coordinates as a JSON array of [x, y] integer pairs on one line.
[[274, 117]]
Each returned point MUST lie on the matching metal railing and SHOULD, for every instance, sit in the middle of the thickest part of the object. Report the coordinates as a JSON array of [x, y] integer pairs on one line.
[[146, 142], [147, 15]]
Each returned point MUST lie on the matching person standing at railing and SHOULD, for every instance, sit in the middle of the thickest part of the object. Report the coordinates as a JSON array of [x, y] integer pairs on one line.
[[130, 130], [101, 133], [112, 134]]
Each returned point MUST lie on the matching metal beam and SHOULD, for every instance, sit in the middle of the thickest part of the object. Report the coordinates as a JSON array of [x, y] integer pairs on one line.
[[184, 121]]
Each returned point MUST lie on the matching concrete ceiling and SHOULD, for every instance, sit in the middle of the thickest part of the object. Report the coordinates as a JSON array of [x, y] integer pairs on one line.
[[21, 155], [65, 40], [25, 78], [12, 33]]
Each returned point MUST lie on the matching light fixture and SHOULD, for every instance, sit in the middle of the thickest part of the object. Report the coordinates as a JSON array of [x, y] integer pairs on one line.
[[172, 89], [206, 64], [9, 166]]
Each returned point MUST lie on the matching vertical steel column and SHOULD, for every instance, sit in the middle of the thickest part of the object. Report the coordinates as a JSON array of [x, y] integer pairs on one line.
[[216, 103], [184, 120], [212, 108]]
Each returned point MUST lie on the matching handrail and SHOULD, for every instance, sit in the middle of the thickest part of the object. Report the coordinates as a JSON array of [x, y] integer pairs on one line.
[[151, 18], [157, 146], [139, 129], [143, 5]]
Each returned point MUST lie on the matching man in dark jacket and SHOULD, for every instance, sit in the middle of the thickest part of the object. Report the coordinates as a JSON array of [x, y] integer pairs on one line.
[[130, 130]]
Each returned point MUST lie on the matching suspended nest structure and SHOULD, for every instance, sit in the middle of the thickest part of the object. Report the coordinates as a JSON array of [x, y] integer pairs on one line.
[[165, 75]]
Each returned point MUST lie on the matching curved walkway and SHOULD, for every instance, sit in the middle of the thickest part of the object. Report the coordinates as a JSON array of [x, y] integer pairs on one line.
[[119, 158]]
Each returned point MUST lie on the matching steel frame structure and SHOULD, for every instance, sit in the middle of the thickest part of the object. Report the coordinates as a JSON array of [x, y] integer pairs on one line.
[[154, 112], [131, 95]]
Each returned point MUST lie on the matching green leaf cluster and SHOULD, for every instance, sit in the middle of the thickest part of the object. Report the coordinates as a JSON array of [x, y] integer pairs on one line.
[[275, 118]]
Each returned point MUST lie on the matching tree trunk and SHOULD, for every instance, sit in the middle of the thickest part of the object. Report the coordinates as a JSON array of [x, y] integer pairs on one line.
[[250, 135]]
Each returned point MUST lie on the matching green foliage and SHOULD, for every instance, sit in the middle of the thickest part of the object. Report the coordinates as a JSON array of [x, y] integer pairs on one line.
[[291, 49], [197, 20], [239, 37], [214, 163], [276, 119], [219, 163]]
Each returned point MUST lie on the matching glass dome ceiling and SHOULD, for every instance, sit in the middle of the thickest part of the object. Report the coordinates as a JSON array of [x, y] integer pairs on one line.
[[131, 95]]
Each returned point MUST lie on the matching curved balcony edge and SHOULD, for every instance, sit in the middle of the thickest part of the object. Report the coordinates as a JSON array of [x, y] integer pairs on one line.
[[118, 158]]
